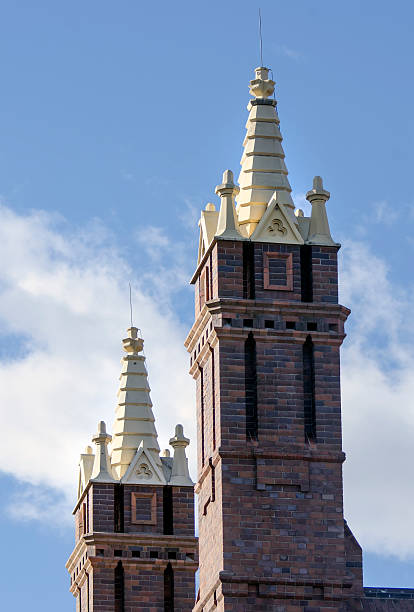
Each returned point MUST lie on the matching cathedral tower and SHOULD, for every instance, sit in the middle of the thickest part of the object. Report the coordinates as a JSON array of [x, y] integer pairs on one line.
[[135, 546], [264, 351]]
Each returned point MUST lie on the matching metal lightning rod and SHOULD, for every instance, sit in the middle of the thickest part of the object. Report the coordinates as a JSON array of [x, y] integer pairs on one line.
[[260, 37], [130, 303]]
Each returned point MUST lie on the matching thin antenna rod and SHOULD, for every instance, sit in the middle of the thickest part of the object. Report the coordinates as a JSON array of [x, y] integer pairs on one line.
[[260, 36], [130, 303]]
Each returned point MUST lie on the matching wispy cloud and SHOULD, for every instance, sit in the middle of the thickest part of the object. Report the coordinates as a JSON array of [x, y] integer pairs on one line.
[[153, 240], [292, 53], [289, 52], [170, 263], [384, 213], [190, 214], [127, 175]]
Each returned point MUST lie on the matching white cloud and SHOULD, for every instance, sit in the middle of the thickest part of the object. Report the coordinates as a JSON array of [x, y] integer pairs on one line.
[[28, 503], [64, 300], [378, 406]]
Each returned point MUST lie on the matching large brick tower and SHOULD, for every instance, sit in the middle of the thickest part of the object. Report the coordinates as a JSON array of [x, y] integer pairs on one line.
[[264, 350], [135, 546]]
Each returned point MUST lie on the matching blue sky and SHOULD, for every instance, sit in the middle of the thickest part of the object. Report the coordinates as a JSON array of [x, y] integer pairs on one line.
[[117, 121]]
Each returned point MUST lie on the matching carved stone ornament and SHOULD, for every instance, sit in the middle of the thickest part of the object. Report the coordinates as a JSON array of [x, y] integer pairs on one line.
[[277, 226], [143, 471]]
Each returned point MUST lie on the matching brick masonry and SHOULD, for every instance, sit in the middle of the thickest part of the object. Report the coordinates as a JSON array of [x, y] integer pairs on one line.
[[272, 533], [143, 549]]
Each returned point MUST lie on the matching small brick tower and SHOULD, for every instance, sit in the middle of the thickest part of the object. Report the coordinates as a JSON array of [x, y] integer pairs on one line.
[[264, 350], [135, 546]]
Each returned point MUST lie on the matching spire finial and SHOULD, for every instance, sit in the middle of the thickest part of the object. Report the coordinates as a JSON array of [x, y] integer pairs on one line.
[[133, 344], [319, 232], [261, 86], [102, 471], [180, 475], [317, 192], [179, 440], [227, 187], [227, 224]]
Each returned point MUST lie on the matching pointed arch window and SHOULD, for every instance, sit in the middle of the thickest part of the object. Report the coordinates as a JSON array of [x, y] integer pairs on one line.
[[250, 383], [309, 390], [169, 589], [119, 588]]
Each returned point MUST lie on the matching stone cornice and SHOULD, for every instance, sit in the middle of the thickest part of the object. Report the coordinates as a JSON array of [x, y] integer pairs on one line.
[[278, 307], [230, 579], [77, 553], [251, 307], [218, 305], [127, 539]]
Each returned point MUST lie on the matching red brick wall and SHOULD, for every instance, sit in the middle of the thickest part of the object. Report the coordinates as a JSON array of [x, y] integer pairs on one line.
[[269, 294], [102, 504], [277, 514], [143, 549], [129, 526], [229, 269], [325, 274], [183, 511]]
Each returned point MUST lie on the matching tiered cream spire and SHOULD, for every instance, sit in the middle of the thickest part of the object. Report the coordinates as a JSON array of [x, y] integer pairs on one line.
[[263, 169], [134, 420], [135, 457]]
